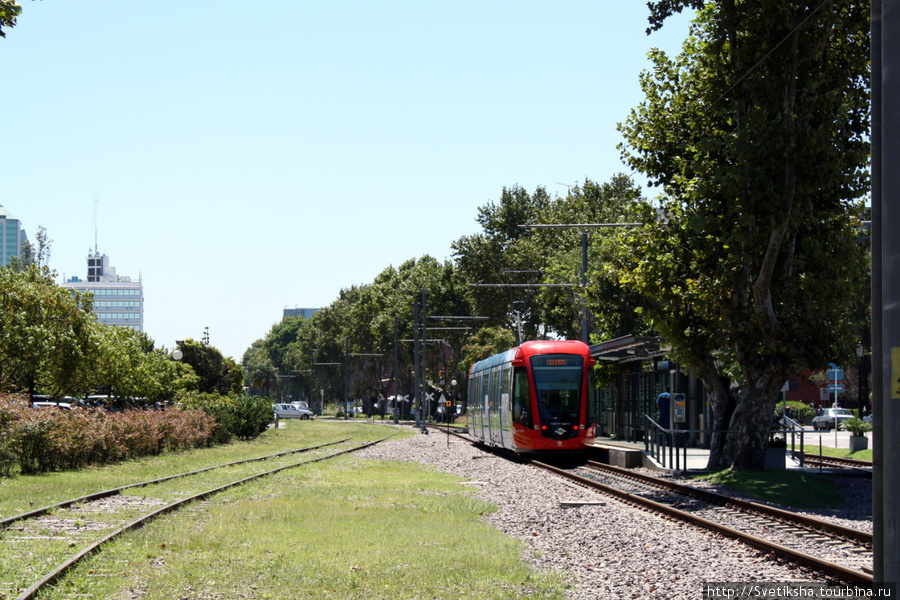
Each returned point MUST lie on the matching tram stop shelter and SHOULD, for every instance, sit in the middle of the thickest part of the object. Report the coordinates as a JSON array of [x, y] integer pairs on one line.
[[645, 373]]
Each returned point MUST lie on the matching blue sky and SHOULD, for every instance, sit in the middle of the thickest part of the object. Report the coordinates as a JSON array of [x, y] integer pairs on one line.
[[245, 157]]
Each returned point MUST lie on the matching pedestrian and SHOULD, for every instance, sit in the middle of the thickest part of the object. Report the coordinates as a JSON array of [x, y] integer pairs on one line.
[[664, 406]]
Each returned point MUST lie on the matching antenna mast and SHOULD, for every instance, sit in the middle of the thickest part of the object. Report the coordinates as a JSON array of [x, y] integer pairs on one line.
[[95, 225]]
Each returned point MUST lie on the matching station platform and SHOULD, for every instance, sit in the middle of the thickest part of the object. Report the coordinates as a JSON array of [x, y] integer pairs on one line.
[[632, 455]]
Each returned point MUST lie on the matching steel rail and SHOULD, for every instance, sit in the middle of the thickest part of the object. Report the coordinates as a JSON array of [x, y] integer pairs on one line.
[[846, 533], [847, 463], [4, 523], [846, 574], [51, 577]]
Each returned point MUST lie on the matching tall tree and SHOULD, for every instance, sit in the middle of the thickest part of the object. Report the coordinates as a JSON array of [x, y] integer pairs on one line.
[[9, 10], [218, 374], [611, 309], [504, 253], [757, 132], [45, 330]]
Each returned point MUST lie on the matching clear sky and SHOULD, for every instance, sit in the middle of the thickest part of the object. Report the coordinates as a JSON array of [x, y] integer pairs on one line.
[[244, 157]]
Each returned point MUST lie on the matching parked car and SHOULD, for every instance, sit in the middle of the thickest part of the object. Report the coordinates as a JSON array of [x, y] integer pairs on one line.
[[52, 404], [289, 411], [829, 416]]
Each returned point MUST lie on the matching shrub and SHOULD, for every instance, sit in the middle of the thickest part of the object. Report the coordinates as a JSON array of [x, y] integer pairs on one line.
[[243, 417], [40, 440], [856, 426], [252, 415]]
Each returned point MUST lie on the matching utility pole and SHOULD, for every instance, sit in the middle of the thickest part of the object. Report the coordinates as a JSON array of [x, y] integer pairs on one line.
[[424, 315], [885, 17], [416, 391], [584, 258], [396, 367]]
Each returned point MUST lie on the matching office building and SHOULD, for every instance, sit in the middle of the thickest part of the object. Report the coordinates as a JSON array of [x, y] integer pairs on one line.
[[12, 237], [306, 313], [117, 299]]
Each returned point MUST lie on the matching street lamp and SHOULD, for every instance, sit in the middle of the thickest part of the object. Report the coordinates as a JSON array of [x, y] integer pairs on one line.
[[863, 378]]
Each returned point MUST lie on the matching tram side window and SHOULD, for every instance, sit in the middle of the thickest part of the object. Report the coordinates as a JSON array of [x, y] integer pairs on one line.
[[477, 396], [521, 404], [591, 398]]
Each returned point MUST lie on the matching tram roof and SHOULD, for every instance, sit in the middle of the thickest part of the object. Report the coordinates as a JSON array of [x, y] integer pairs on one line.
[[629, 348]]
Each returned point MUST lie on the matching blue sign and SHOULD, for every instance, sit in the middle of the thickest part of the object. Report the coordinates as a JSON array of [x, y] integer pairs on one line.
[[835, 372], [836, 388]]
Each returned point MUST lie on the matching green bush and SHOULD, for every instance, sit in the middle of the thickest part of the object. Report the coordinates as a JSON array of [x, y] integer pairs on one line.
[[243, 417], [40, 440], [252, 415], [856, 426], [799, 411]]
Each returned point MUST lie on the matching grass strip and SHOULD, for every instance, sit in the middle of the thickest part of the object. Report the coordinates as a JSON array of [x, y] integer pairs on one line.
[[347, 528], [23, 493], [790, 488]]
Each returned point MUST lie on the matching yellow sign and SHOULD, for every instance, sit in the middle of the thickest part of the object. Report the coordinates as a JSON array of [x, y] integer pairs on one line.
[[895, 373]]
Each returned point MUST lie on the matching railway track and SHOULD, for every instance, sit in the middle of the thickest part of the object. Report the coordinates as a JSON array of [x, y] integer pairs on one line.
[[38, 547], [839, 552], [833, 462]]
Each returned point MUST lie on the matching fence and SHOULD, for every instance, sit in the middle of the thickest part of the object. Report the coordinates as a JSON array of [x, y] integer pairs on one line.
[[669, 447]]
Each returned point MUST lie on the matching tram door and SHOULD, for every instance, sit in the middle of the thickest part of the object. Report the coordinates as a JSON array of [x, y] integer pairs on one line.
[[506, 383], [476, 405], [494, 406]]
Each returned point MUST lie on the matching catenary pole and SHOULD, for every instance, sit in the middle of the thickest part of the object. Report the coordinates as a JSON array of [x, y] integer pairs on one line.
[[396, 383], [886, 287], [424, 315], [417, 392]]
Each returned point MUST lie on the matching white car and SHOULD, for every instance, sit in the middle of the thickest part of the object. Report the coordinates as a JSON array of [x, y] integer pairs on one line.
[[50, 404], [289, 411], [831, 417]]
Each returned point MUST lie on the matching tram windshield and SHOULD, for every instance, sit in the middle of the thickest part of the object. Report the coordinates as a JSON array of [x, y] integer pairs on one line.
[[557, 380]]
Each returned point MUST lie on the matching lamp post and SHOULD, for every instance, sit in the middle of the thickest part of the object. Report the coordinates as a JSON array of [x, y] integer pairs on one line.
[[448, 404], [360, 383], [288, 377], [862, 386], [322, 391]]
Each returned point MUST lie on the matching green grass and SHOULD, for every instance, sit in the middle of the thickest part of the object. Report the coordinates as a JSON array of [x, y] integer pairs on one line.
[[25, 492], [814, 450], [345, 528], [791, 488]]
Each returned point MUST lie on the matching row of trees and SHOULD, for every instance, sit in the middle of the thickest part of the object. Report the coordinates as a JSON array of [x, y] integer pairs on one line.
[[51, 343], [357, 329], [748, 263]]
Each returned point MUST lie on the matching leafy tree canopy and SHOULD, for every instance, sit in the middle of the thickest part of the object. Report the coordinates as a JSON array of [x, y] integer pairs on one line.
[[757, 133], [9, 10]]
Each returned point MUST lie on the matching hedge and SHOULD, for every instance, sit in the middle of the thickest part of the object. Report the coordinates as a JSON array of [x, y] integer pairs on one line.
[[49, 439]]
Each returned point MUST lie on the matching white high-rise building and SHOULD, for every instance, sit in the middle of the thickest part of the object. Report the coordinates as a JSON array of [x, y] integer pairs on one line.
[[117, 299]]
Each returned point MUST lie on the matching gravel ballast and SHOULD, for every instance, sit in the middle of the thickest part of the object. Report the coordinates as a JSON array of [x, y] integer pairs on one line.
[[610, 550]]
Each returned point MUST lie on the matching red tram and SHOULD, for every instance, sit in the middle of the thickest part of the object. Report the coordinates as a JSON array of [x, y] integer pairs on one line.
[[534, 398]]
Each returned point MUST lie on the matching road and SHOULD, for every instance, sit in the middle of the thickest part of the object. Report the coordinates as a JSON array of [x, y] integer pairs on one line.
[[830, 439]]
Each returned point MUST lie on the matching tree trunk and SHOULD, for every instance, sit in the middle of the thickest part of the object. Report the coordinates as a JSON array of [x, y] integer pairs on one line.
[[752, 423], [722, 403]]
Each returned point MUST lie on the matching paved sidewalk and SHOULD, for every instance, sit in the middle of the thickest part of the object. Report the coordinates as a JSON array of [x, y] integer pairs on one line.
[[698, 458]]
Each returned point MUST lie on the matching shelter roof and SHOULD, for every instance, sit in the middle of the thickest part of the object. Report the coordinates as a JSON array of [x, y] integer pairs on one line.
[[630, 348]]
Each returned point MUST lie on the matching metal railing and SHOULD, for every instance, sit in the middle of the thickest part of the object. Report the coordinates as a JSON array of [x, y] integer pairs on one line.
[[793, 428], [669, 447], [660, 442]]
